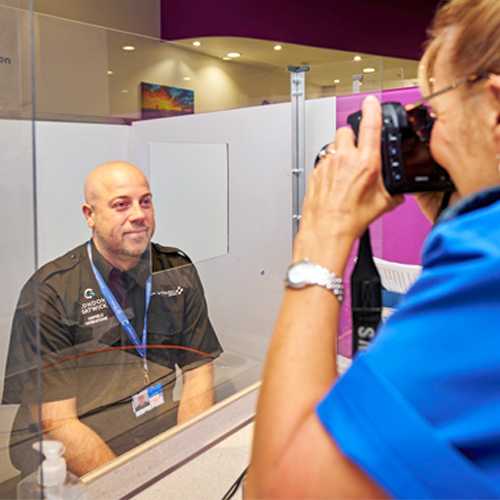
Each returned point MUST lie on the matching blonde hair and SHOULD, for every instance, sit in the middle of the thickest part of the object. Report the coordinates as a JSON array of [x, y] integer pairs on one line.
[[473, 26]]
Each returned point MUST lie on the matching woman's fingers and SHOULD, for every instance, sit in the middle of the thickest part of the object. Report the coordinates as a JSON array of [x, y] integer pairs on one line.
[[370, 127], [346, 186]]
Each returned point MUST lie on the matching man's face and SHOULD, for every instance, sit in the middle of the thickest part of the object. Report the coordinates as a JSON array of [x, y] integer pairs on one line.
[[123, 216]]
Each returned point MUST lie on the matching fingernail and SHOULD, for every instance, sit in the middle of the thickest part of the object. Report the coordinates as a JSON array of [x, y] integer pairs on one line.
[[371, 98]]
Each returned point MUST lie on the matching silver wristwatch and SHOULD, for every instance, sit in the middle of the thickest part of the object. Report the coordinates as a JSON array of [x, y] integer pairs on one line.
[[305, 273]]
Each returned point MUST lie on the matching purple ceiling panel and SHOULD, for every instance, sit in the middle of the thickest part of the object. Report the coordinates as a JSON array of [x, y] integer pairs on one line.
[[384, 27]]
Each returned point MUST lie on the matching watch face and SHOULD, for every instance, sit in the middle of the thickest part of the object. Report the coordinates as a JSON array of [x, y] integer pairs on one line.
[[298, 273]]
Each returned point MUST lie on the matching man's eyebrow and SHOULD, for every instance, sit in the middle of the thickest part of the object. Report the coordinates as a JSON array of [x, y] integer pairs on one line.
[[128, 197], [119, 197]]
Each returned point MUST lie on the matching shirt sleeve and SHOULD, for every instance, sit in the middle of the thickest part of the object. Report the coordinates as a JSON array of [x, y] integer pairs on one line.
[[199, 337], [419, 411], [179, 320], [376, 427]]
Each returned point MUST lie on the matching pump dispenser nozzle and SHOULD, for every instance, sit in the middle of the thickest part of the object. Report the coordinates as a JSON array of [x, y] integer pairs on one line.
[[53, 468], [51, 480]]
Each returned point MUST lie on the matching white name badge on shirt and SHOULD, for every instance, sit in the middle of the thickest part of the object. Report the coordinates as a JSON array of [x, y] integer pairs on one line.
[[147, 399]]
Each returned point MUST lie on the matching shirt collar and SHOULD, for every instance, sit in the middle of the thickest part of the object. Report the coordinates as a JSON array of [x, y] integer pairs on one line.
[[140, 273], [469, 203]]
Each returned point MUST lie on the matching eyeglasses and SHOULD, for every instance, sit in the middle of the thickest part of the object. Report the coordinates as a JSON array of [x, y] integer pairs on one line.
[[420, 117]]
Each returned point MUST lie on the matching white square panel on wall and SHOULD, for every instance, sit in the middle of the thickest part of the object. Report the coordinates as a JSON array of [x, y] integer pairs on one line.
[[190, 194]]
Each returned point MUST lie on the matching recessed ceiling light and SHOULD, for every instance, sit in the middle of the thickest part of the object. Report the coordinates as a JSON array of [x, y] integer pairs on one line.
[[233, 54], [110, 72], [226, 58], [128, 47], [368, 70], [357, 58], [124, 91], [187, 78], [336, 81], [277, 47], [196, 44]]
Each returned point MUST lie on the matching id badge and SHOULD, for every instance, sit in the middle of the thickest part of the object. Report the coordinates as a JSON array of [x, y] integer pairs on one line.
[[147, 399]]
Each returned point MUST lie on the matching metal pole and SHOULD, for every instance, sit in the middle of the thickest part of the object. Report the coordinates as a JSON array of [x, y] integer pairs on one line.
[[356, 81], [298, 98]]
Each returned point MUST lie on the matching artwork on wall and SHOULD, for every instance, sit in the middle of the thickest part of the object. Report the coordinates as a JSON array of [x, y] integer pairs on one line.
[[159, 101]]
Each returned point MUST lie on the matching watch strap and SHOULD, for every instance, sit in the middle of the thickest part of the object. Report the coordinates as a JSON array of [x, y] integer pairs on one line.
[[316, 275], [324, 277]]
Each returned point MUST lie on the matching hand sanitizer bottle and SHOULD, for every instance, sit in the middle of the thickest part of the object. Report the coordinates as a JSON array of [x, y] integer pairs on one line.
[[51, 480]]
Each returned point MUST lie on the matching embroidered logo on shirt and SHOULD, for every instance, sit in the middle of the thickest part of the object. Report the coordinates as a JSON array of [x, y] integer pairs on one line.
[[94, 306], [170, 293], [89, 293]]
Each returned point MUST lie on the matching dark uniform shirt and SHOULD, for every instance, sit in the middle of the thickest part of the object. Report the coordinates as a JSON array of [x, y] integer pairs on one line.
[[86, 354]]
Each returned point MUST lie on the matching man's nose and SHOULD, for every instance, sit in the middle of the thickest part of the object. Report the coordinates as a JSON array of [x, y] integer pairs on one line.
[[136, 212]]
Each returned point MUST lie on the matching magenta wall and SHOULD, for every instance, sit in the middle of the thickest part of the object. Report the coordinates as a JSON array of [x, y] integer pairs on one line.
[[397, 236], [383, 27]]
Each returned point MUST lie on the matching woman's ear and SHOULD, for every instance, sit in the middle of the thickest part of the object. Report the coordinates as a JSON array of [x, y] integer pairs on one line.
[[494, 88]]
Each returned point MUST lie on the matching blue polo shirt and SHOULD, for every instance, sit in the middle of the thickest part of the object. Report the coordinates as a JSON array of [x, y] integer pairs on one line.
[[420, 410]]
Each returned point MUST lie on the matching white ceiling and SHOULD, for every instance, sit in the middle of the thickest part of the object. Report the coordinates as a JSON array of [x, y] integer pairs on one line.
[[254, 51]]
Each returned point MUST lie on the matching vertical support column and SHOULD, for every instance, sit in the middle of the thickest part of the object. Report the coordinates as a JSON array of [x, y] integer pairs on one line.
[[298, 91]]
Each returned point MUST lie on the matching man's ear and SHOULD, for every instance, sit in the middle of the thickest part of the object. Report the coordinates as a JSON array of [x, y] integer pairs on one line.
[[88, 211]]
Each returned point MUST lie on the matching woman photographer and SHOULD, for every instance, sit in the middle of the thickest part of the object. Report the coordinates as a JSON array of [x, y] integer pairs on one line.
[[418, 415]]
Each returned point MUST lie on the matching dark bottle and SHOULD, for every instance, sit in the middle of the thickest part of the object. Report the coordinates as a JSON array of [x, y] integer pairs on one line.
[[366, 296]]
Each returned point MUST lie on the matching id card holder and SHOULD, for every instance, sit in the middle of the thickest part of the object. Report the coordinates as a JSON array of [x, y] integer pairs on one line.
[[147, 399]]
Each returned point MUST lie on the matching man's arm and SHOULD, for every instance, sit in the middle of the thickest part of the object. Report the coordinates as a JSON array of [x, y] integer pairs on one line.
[[85, 450], [198, 393]]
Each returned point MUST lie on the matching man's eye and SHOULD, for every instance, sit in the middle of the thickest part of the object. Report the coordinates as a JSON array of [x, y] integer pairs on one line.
[[120, 205], [146, 203]]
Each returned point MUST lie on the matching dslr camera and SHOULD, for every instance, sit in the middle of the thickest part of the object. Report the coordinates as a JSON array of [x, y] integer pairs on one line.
[[407, 164]]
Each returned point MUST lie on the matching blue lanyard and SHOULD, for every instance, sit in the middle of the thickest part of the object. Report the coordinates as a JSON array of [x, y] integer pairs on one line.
[[122, 318]]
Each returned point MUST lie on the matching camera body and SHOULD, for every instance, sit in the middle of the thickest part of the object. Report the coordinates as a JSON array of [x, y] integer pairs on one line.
[[407, 164]]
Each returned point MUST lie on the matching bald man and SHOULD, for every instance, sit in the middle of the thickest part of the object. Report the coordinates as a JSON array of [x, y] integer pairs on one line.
[[111, 332]]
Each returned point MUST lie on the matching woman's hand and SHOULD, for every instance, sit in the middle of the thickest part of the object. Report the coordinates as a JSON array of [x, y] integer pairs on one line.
[[345, 194]]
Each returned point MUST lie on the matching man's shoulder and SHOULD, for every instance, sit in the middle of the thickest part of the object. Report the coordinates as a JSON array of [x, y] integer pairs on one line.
[[164, 257], [63, 264]]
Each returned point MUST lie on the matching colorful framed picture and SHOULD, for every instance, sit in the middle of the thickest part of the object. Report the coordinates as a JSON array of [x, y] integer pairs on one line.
[[159, 101]]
